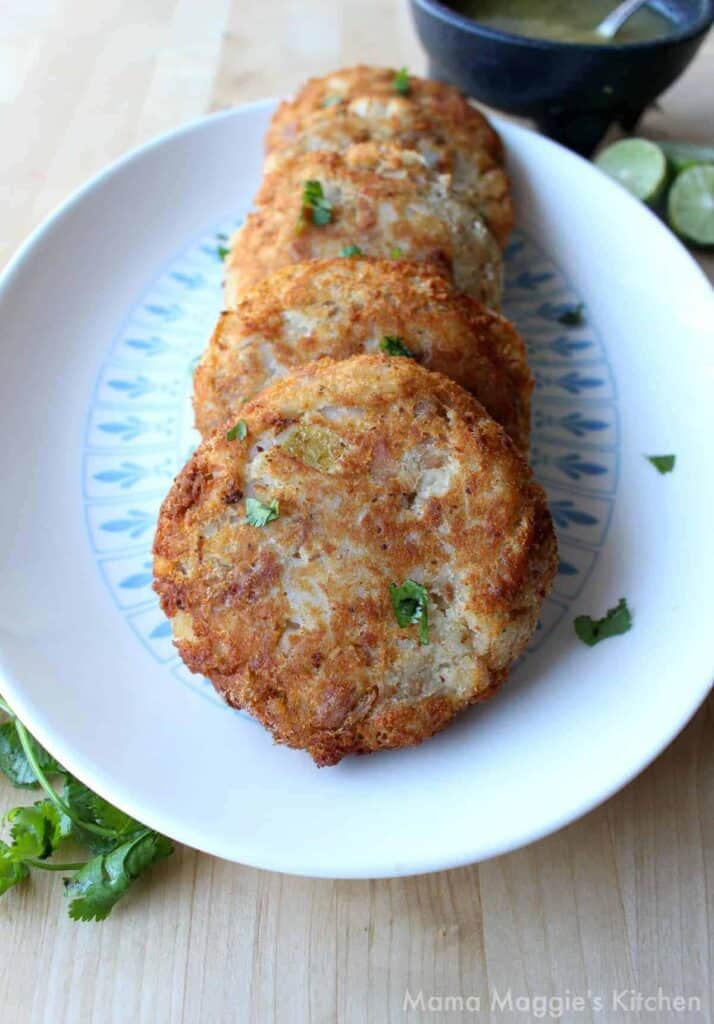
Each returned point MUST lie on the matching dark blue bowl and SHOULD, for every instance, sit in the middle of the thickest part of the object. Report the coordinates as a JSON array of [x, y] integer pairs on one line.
[[573, 91]]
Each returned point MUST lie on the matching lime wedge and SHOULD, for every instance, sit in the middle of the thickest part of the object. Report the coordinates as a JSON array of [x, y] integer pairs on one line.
[[690, 208], [637, 164], [685, 154]]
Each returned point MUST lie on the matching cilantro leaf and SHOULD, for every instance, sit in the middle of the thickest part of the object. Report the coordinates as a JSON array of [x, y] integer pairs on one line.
[[90, 807], [14, 763], [617, 621], [409, 602], [573, 316], [395, 347], [662, 463], [259, 514], [240, 431], [401, 81], [222, 252], [349, 251], [98, 886], [395, 252], [37, 830], [314, 200], [11, 870]]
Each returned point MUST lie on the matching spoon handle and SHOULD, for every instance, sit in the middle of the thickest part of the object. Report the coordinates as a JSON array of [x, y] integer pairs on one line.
[[612, 24]]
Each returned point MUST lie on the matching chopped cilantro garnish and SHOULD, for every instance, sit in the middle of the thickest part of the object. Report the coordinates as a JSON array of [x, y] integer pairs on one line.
[[401, 81], [573, 316], [395, 347], [396, 253], [239, 431], [331, 101], [259, 514], [409, 601], [222, 251], [349, 251], [314, 200], [591, 631], [662, 463]]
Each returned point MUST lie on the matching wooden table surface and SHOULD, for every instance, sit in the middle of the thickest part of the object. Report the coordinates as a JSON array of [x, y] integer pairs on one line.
[[621, 900]]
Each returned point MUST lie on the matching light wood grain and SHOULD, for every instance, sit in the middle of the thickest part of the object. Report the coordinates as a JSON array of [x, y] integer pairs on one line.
[[620, 900]]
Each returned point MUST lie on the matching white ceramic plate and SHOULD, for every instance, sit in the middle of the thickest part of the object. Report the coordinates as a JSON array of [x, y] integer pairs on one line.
[[103, 312]]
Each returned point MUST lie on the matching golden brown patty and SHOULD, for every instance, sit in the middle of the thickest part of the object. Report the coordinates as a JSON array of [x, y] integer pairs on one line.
[[343, 307], [384, 200], [361, 104], [380, 472]]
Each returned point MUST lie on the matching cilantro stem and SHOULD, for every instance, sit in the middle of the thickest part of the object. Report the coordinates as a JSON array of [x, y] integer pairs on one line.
[[26, 743], [44, 866]]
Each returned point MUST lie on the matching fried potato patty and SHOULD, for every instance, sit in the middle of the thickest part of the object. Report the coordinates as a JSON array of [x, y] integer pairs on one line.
[[381, 198], [366, 561], [343, 307], [361, 104]]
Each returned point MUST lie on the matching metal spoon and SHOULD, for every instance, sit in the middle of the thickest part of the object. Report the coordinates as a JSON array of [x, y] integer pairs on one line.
[[611, 25]]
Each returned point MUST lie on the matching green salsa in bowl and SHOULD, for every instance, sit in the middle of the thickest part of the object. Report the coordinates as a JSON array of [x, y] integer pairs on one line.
[[538, 58], [564, 21]]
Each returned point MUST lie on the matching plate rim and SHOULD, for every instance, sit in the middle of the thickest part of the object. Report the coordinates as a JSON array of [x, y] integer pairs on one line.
[[274, 860]]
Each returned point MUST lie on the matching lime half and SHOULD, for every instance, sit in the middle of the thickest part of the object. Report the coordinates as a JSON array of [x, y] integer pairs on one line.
[[637, 164], [690, 208], [685, 154]]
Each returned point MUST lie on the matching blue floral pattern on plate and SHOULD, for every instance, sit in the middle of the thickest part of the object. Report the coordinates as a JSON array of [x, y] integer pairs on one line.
[[139, 428]]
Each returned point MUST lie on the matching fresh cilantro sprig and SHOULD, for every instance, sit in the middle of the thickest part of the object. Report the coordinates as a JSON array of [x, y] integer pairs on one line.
[[315, 204], [409, 603], [122, 847], [257, 513], [350, 251], [662, 463], [400, 83], [394, 346], [27, 743], [617, 621], [573, 316]]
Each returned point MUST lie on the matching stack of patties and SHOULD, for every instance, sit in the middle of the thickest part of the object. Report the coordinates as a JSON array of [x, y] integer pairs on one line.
[[357, 550]]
